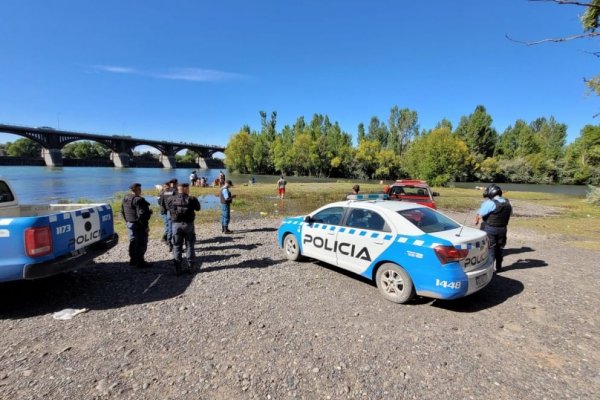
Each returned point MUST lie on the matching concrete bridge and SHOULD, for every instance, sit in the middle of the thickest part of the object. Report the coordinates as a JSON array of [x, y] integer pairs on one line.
[[52, 141]]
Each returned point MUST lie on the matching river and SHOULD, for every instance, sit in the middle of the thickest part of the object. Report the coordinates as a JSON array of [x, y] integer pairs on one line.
[[56, 184]]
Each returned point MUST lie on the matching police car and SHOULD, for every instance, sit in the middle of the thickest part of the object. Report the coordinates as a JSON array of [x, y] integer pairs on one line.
[[406, 248]]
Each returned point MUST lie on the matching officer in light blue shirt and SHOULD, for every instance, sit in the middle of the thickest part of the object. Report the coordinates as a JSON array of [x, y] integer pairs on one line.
[[495, 213]]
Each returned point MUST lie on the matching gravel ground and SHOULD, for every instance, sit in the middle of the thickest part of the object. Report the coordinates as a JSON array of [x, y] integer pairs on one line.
[[250, 324]]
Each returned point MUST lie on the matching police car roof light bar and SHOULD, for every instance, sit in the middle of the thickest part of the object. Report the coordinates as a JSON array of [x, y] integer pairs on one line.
[[370, 196]]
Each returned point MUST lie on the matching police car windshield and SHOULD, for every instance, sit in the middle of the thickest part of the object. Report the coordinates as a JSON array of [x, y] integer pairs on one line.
[[428, 220]]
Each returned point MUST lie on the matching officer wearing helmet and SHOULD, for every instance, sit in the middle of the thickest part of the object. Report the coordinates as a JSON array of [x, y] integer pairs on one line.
[[495, 213]]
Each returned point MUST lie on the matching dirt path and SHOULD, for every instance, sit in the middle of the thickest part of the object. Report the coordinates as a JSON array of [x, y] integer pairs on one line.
[[253, 325]]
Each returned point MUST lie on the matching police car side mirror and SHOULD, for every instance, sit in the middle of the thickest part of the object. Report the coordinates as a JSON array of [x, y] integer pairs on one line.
[[435, 194], [308, 219]]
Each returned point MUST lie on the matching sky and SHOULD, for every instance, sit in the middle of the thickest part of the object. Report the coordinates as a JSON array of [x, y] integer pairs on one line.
[[197, 71]]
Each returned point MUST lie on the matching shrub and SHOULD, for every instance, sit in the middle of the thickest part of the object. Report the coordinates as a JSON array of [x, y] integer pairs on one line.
[[593, 195]]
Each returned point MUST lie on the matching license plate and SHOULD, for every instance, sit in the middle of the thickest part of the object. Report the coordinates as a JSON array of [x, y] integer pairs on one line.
[[481, 280]]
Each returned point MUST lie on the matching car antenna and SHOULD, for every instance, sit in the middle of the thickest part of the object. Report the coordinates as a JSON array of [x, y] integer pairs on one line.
[[463, 225]]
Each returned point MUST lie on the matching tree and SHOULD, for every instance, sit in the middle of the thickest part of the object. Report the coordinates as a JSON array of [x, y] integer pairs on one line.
[[85, 149], [378, 131], [361, 132], [238, 153], [438, 156], [404, 127], [444, 123], [581, 162], [366, 157], [24, 148], [477, 132]]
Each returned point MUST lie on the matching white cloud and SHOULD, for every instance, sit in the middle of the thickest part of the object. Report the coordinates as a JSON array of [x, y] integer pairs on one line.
[[199, 75], [115, 69], [184, 74]]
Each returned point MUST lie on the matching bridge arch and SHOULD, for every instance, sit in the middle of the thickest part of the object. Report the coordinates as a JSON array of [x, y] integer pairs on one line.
[[53, 141]]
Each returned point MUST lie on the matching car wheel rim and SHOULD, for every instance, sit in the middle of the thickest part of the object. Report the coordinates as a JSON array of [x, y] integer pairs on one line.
[[290, 247], [392, 283]]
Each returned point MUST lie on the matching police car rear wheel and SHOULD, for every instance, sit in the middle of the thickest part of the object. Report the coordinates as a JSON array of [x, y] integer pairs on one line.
[[291, 248], [394, 283]]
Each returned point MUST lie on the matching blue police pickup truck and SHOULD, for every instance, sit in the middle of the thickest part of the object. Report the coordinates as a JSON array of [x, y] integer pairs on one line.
[[37, 241]]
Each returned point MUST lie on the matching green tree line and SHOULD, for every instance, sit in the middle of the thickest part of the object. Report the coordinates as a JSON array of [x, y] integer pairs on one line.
[[526, 152]]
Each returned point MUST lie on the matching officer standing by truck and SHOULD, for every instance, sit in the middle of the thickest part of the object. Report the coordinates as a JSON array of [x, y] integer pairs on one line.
[[136, 212], [182, 208], [495, 212]]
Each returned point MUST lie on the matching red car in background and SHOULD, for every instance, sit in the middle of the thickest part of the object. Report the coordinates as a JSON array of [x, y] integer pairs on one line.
[[413, 190]]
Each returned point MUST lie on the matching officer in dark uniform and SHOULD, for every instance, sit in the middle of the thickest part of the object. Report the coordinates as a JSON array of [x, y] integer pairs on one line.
[[136, 212], [182, 208], [164, 211], [495, 212]]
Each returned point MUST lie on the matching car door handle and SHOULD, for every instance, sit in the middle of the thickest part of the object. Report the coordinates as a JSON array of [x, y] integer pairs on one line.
[[331, 232], [378, 241]]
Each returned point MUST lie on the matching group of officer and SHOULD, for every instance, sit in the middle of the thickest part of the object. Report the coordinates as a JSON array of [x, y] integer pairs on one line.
[[178, 211], [136, 212]]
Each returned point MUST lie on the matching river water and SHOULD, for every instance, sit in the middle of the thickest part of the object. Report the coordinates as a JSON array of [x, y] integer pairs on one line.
[[55, 184]]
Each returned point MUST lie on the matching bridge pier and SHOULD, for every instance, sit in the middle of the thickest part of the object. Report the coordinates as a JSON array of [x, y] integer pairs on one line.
[[52, 157], [168, 161], [120, 159], [201, 163]]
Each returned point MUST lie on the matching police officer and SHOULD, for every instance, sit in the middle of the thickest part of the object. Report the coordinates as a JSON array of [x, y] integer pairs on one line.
[[136, 212], [182, 208], [495, 212], [164, 211], [226, 198]]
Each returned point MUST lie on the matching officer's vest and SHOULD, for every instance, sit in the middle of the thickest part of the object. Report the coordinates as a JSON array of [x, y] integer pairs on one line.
[[180, 209], [500, 216], [223, 199], [128, 208]]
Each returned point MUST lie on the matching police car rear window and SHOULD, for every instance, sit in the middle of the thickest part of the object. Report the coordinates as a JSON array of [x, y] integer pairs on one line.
[[5, 193], [428, 220]]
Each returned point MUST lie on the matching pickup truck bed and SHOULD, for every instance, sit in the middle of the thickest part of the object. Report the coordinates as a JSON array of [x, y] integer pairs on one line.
[[37, 241]]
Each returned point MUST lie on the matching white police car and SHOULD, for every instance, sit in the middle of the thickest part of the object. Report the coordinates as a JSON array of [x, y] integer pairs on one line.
[[406, 248]]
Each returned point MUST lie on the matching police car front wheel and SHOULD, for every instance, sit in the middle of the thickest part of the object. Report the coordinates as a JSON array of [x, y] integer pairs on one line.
[[394, 283], [291, 248]]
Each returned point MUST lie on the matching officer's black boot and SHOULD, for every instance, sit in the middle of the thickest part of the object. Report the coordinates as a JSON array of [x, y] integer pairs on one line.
[[226, 229], [498, 264], [177, 266]]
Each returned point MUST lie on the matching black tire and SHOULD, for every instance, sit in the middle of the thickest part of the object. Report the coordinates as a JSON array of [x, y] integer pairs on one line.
[[291, 247], [394, 283]]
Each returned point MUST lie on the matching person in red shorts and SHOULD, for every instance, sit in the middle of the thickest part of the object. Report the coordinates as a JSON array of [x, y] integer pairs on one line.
[[281, 187]]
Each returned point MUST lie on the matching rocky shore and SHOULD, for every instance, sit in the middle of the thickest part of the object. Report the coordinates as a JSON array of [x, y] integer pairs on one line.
[[251, 325]]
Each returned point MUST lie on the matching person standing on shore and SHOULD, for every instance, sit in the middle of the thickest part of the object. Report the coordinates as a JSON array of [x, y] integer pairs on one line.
[[182, 208], [164, 211], [281, 187], [495, 212], [226, 198], [136, 212]]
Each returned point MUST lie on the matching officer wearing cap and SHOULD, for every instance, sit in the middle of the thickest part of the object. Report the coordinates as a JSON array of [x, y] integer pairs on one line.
[[495, 212], [136, 212], [182, 209], [164, 211], [226, 198]]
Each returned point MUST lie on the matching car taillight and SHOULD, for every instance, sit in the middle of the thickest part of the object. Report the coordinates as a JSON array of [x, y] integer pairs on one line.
[[448, 254], [38, 241]]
